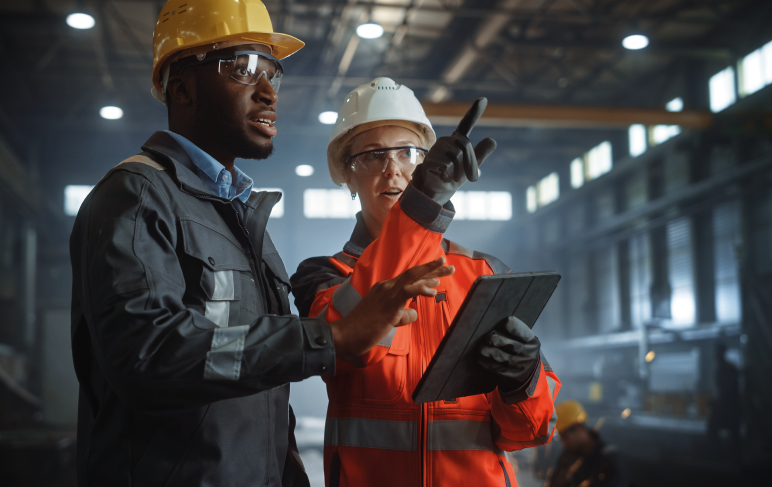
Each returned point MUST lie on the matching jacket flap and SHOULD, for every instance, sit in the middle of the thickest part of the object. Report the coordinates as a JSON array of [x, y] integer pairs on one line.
[[214, 249]]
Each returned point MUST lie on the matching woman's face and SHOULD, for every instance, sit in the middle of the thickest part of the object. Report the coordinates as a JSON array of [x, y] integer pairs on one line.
[[379, 191]]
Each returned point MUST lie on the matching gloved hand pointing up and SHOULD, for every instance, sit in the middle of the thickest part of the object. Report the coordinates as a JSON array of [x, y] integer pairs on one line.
[[452, 160]]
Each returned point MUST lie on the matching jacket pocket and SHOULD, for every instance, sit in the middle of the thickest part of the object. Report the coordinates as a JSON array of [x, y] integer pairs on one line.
[[215, 268], [384, 381]]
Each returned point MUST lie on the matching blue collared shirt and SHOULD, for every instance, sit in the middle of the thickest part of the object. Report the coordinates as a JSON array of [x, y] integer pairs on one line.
[[213, 174]]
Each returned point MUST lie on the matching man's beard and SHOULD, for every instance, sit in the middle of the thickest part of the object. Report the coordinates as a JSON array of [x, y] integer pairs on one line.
[[210, 114]]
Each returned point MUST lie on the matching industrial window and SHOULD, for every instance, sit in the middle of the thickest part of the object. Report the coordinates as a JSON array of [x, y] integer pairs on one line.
[[725, 241], [661, 133], [681, 272], [722, 90], [469, 205], [755, 70], [640, 280], [598, 161], [577, 173], [607, 285], [548, 189], [483, 205], [675, 105], [637, 137], [578, 295], [278, 209], [542, 193], [329, 203], [74, 194]]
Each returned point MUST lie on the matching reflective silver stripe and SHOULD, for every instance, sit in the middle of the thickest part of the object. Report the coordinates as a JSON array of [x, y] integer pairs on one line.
[[218, 312], [223, 361], [538, 441], [552, 424], [386, 341], [371, 433], [143, 160], [223, 286], [551, 384], [345, 298], [323, 313], [461, 435]]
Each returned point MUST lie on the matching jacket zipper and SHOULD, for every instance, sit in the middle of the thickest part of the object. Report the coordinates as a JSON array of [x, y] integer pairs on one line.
[[422, 316]]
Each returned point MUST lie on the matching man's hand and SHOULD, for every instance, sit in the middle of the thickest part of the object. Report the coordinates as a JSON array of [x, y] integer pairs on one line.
[[383, 308], [452, 160], [511, 353]]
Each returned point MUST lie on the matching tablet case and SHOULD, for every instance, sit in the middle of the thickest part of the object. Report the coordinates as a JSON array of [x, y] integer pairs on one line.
[[453, 371]]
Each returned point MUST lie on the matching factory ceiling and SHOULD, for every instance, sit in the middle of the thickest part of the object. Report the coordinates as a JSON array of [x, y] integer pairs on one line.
[[561, 53]]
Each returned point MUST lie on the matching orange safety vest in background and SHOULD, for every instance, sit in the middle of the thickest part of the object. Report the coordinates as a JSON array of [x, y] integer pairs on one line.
[[375, 435]]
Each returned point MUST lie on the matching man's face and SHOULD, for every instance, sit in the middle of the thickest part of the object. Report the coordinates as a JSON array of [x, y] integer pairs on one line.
[[242, 117], [570, 438]]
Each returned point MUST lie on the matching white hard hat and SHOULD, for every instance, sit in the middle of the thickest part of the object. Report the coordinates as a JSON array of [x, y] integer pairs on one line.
[[377, 103]]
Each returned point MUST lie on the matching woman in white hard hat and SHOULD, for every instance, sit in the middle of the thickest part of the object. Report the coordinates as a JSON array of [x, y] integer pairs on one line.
[[375, 434]]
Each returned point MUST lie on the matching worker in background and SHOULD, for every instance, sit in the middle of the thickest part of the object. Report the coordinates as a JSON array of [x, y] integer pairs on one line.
[[725, 411], [181, 334], [586, 461], [375, 434]]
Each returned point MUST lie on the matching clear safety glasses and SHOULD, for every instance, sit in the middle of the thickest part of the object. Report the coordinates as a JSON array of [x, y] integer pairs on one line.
[[247, 67], [376, 160]]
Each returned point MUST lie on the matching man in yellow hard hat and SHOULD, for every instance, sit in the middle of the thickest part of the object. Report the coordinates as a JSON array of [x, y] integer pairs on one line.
[[181, 334], [586, 461]]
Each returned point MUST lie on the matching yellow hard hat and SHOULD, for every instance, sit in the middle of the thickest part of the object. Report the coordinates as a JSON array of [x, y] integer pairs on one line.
[[569, 413], [188, 24]]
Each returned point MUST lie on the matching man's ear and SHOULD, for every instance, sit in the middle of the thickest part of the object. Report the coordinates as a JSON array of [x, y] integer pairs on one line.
[[181, 89]]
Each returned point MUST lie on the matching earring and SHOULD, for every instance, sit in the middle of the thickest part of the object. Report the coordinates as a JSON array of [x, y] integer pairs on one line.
[[353, 196]]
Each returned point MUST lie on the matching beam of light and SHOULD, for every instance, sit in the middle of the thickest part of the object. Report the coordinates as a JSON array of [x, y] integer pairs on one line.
[[635, 42], [111, 113], [328, 118], [369, 31], [304, 170], [80, 21]]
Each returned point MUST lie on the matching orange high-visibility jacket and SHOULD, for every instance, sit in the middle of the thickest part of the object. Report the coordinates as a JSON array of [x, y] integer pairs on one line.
[[375, 435]]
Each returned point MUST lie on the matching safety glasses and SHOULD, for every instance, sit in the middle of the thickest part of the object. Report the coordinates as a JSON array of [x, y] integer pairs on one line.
[[376, 160], [246, 67]]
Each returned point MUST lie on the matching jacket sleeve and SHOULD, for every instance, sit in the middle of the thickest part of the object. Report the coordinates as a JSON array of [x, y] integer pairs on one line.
[[530, 419], [155, 352], [527, 416], [410, 236]]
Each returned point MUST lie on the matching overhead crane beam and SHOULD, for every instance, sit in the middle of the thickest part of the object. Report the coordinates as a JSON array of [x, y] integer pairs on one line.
[[566, 116]]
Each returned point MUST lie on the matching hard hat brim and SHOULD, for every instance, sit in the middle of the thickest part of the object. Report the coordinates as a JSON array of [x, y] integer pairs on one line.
[[283, 46]]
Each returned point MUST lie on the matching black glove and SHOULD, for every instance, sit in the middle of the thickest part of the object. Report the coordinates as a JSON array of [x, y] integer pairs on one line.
[[452, 161], [511, 354]]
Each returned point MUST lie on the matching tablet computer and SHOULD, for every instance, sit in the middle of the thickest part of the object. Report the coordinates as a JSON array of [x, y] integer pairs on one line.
[[453, 371]]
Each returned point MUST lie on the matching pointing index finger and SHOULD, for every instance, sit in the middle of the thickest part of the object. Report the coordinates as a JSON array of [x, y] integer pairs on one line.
[[466, 124]]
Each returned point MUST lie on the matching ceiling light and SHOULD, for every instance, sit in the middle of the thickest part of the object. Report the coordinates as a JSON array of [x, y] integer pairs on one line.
[[328, 118], [80, 21], [635, 42], [369, 31], [304, 170], [111, 113]]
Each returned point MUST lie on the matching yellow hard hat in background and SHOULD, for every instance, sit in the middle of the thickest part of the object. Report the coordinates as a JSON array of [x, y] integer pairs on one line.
[[188, 24], [569, 413]]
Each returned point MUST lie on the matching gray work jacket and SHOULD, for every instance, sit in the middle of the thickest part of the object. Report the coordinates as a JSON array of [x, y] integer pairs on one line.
[[182, 339]]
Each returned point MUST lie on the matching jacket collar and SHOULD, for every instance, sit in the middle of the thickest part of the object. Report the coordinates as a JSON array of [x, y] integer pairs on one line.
[[360, 238], [183, 169]]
